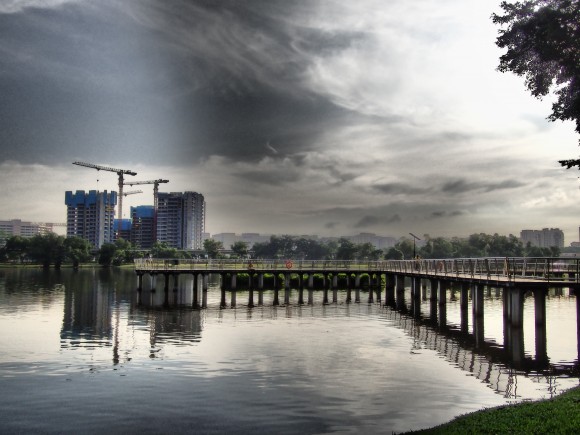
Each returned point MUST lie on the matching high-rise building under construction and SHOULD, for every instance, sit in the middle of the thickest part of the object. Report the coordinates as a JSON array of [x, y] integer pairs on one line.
[[181, 219], [91, 216]]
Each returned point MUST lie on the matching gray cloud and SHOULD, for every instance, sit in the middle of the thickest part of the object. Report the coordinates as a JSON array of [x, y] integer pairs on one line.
[[326, 117], [460, 186]]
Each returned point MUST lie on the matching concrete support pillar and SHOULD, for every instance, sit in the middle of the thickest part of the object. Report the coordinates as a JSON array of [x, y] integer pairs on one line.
[[478, 329], [442, 292], [301, 294], [310, 281], [442, 320], [335, 281], [261, 281], [276, 300], [234, 294], [166, 287], [423, 291], [464, 296], [577, 293], [335, 295], [433, 310], [348, 295], [260, 297], [194, 291], [325, 297], [514, 342], [357, 294], [287, 293], [540, 330], [516, 297], [234, 281], [400, 292], [205, 286], [371, 299], [251, 297], [286, 281], [140, 282], [416, 288], [477, 300], [505, 292], [310, 296], [223, 298], [434, 287], [357, 280], [175, 282], [390, 281]]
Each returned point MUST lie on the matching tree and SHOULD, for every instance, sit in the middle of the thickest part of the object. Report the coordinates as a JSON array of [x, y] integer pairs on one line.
[[542, 40], [77, 250], [162, 250], [240, 248], [107, 254], [16, 248], [346, 250], [212, 247], [46, 249]]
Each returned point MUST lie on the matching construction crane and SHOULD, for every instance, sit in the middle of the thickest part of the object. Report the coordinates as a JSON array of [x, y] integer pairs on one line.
[[155, 201], [120, 173], [132, 192]]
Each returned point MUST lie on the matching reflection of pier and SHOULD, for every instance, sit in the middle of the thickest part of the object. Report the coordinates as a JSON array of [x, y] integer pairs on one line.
[[514, 276], [488, 362]]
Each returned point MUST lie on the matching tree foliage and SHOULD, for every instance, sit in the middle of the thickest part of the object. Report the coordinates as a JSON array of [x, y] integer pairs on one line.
[[212, 247], [240, 249], [542, 38]]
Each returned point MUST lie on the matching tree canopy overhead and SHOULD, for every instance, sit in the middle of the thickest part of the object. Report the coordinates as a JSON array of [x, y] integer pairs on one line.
[[542, 38]]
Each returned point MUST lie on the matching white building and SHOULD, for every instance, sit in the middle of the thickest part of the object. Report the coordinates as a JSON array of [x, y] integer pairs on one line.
[[545, 238], [181, 219]]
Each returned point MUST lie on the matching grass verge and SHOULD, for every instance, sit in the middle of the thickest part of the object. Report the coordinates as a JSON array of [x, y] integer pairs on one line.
[[560, 415]]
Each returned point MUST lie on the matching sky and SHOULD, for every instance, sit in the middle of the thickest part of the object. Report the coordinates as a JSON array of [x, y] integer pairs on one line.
[[327, 117]]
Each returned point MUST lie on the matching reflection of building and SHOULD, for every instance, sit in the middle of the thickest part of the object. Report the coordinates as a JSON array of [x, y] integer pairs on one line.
[[87, 311], [91, 216], [545, 238], [16, 227], [181, 219]]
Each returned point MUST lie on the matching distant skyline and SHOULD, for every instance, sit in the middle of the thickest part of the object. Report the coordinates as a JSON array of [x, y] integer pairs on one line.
[[305, 117]]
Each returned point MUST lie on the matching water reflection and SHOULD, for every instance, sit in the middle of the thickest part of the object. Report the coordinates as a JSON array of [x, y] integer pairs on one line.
[[104, 324]]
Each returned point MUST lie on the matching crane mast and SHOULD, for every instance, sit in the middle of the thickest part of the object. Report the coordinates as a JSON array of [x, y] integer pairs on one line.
[[120, 173], [155, 200]]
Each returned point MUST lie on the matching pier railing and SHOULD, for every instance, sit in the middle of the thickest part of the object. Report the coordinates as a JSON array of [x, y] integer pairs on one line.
[[510, 268], [501, 268]]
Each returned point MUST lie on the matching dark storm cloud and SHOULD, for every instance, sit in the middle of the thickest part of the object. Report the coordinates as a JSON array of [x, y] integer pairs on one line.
[[460, 186], [370, 221], [400, 189], [170, 81], [443, 214]]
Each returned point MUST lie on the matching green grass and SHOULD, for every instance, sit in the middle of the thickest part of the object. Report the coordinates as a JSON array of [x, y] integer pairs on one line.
[[560, 415]]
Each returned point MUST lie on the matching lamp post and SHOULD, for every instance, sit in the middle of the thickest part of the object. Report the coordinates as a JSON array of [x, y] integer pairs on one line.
[[414, 239]]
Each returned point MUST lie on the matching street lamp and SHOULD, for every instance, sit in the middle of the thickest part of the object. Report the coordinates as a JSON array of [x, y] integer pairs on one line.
[[414, 239]]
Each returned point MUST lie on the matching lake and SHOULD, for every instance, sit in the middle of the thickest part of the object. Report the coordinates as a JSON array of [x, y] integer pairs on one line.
[[82, 351]]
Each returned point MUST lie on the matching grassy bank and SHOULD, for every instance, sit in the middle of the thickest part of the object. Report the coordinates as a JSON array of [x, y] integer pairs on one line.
[[560, 415]]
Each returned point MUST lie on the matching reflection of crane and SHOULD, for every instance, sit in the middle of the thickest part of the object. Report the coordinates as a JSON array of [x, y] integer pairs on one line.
[[155, 202], [120, 173]]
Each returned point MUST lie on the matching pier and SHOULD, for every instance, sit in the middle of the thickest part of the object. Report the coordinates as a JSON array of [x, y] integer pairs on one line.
[[467, 278]]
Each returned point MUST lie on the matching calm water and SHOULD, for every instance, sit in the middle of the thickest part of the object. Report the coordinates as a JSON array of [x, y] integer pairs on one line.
[[80, 353]]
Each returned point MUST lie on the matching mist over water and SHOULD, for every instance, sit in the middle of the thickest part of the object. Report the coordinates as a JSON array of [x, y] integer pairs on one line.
[[82, 352]]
